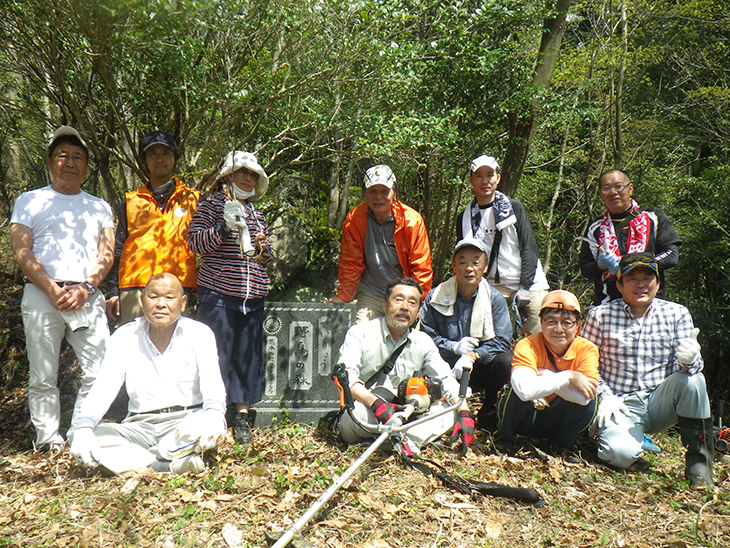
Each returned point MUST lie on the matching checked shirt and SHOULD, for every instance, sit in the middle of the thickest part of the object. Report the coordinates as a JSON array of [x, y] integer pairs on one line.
[[638, 354]]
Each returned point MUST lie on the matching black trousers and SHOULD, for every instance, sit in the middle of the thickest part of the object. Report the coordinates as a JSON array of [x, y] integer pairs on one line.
[[489, 378], [560, 423]]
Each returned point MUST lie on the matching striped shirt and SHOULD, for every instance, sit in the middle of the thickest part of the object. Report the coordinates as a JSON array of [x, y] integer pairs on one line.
[[638, 354], [222, 268]]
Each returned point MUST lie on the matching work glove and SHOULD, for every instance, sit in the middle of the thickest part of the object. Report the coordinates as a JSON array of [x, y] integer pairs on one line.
[[384, 411], [609, 261], [233, 213], [522, 298], [688, 349], [464, 430], [84, 446], [212, 428], [196, 433], [465, 344], [609, 410], [465, 362]]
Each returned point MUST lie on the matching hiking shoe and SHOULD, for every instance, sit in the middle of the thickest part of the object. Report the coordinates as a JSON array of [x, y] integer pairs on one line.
[[242, 429], [192, 463], [50, 449], [571, 457]]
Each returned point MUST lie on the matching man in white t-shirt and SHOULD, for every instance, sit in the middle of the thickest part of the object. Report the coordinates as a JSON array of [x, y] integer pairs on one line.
[[63, 242], [513, 266]]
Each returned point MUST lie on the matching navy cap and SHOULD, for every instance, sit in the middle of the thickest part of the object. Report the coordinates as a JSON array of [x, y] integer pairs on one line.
[[157, 138]]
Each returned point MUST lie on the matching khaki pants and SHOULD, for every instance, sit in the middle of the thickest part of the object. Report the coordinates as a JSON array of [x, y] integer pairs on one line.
[[532, 323], [369, 306]]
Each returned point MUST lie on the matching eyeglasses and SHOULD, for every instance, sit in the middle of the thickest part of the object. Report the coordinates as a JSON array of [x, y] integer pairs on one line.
[[76, 158], [243, 171], [610, 189], [565, 324]]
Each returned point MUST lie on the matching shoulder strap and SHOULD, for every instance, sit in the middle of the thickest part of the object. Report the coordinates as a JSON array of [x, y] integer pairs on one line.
[[550, 357], [494, 257], [387, 367]]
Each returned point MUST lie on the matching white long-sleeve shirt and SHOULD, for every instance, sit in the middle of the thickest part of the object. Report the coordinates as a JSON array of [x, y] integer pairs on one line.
[[186, 374]]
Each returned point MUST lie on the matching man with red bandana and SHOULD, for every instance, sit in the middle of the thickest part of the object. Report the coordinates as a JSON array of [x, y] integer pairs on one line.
[[624, 228]]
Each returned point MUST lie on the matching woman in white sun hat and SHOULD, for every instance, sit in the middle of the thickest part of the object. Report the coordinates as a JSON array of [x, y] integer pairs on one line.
[[231, 237]]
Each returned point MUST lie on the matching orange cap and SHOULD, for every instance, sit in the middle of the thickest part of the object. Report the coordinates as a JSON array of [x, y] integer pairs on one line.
[[560, 300]]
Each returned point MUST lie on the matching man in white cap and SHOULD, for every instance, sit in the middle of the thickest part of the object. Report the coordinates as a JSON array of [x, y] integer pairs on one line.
[[169, 366], [513, 266], [469, 322], [382, 239], [151, 234], [63, 240]]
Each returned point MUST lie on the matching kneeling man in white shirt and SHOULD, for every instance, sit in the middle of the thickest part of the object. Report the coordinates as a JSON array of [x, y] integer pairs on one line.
[[176, 394]]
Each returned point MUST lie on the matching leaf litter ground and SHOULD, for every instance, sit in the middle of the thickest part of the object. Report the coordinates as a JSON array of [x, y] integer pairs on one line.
[[50, 501]]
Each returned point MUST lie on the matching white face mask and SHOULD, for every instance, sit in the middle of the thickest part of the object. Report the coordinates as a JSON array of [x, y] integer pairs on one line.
[[242, 194]]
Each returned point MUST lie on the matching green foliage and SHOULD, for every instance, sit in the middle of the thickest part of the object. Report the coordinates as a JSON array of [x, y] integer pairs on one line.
[[322, 90]]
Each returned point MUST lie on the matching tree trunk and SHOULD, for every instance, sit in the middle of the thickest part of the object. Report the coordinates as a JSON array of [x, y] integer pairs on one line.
[[522, 127], [618, 112]]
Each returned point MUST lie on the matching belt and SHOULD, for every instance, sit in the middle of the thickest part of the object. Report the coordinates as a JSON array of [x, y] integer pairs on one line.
[[65, 283], [173, 409]]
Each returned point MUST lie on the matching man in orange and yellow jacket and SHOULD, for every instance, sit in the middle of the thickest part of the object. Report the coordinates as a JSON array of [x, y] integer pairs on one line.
[[152, 230]]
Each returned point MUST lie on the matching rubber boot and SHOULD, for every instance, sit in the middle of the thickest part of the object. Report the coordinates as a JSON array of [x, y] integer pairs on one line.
[[698, 440]]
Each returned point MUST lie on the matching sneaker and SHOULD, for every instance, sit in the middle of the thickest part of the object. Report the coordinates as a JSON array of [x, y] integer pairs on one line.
[[242, 429], [192, 463]]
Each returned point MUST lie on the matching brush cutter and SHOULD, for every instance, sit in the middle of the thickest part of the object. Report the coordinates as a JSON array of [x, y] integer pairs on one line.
[[396, 425]]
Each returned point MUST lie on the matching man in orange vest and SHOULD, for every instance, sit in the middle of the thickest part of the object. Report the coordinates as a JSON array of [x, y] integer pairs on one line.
[[152, 230]]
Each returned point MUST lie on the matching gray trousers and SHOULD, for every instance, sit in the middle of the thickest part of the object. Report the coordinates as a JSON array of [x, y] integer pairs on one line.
[[652, 411], [420, 435], [142, 439]]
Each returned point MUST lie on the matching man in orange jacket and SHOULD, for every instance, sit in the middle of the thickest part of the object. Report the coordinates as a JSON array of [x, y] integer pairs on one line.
[[151, 235], [382, 239]]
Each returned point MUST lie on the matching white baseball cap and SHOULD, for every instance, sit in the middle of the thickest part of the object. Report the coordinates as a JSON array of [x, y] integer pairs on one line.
[[64, 131], [379, 175], [482, 161]]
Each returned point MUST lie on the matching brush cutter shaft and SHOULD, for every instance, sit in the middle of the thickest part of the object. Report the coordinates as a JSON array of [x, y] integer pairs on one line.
[[327, 495]]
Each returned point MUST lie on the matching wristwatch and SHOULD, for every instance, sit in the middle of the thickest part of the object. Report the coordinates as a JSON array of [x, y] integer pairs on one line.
[[90, 288]]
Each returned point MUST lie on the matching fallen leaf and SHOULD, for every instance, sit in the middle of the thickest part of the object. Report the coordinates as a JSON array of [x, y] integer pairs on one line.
[[232, 535], [130, 486]]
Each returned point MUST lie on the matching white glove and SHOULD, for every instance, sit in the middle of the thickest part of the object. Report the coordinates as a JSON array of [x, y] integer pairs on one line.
[[688, 350], [84, 446], [465, 362], [212, 429], [522, 298], [233, 213], [609, 261], [466, 344], [609, 409]]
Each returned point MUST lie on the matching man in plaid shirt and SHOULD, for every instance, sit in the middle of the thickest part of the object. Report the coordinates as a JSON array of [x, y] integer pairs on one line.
[[650, 372]]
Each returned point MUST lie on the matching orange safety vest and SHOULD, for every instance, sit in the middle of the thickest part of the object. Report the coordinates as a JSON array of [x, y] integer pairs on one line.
[[157, 239]]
